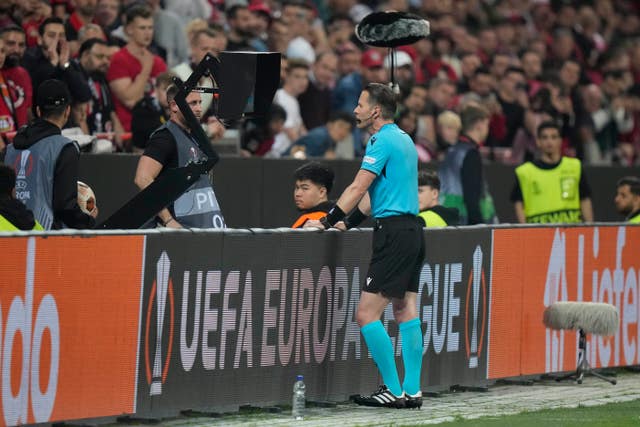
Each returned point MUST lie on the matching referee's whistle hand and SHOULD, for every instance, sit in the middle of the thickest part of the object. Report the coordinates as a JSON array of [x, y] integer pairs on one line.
[[313, 223]]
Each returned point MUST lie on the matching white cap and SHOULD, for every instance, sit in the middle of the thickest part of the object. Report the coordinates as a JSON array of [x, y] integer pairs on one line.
[[402, 59]]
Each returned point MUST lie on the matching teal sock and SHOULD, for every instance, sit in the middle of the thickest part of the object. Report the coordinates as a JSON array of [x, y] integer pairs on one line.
[[411, 354], [381, 349]]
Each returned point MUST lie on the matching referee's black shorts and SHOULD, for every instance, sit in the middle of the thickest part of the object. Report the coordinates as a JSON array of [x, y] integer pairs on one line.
[[398, 254]]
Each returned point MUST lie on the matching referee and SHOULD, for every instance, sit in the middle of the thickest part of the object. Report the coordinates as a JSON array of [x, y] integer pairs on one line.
[[386, 187]]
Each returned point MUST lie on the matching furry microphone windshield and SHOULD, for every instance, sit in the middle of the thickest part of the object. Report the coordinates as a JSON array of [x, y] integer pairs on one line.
[[392, 29], [592, 317]]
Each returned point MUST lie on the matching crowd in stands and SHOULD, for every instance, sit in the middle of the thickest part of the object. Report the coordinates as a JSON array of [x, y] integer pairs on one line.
[[526, 62]]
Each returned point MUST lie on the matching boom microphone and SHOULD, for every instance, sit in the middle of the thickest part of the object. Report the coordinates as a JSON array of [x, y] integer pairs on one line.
[[368, 118], [371, 116], [392, 29], [592, 317]]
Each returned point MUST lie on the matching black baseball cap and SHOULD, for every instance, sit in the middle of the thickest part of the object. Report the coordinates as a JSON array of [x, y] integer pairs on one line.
[[52, 94]]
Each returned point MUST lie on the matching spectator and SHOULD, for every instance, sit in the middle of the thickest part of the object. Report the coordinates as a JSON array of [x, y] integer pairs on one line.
[[350, 58], [403, 70], [627, 198], [202, 42], [196, 25], [172, 146], [258, 134], [416, 100], [627, 29], [352, 8], [565, 15], [606, 117], [133, 68], [481, 87], [190, 10], [14, 215], [539, 46], [554, 188], [84, 13], [51, 58], [169, 34], [440, 97], [558, 102], [315, 102], [570, 72], [33, 13], [279, 36], [347, 91], [488, 44], [433, 214], [532, 67], [90, 31], [93, 64], [311, 194], [340, 29], [563, 48], [448, 128], [16, 76], [407, 121], [8, 15], [150, 113], [61, 8], [7, 105], [499, 65], [297, 14], [463, 184], [445, 60], [588, 37], [469, 63], [295, 83], [463, 40], [49, 185], [77, 123], [261, 22], [513, 99], [634, 61], [506, 34], [108, 15], [15, 44], [321, 141], [240, 33], [430, 64], [605, 11]]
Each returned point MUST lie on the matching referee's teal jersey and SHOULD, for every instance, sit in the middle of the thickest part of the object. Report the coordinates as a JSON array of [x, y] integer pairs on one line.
[[392, 156]]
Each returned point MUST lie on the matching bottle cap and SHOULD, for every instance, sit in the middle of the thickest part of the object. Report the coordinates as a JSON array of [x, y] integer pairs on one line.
[[299, 378]]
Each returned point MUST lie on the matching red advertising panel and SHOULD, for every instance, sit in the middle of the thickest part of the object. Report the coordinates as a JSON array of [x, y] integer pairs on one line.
[[536, 267], [69, 313]]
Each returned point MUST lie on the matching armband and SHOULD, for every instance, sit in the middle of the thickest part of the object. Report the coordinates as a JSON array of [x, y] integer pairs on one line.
[[334, 216], [354, 219]]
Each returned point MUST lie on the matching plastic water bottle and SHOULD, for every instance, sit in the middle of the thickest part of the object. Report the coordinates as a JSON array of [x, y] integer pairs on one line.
[[299, 399]]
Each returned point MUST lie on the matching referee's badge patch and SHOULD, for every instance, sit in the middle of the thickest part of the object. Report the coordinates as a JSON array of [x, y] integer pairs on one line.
[[369, 159]]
